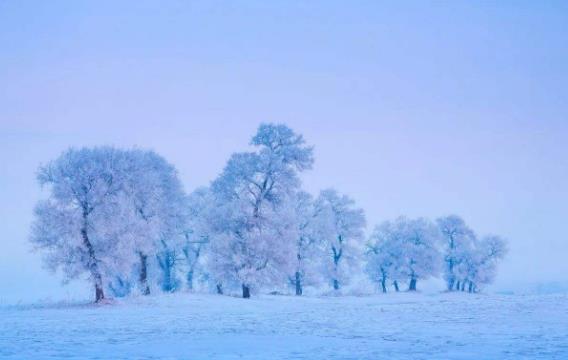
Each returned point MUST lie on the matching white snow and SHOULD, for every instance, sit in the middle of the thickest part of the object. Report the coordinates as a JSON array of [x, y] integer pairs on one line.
[[192, 326]]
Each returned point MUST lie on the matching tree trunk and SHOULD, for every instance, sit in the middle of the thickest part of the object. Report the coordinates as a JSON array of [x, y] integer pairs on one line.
[[336, 257], [93, 264], [144, 274], [412, 285], [219, 289], [166, 264], [463, 286], [298, 283], [190, 279], [99, 293], [452, 279], [470, 289], [384, 285], [167, 284], [458, 286], [246, 292], [451, 284], [395, 283]]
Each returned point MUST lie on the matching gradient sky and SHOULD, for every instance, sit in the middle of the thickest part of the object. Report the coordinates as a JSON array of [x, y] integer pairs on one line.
[[413, 108]]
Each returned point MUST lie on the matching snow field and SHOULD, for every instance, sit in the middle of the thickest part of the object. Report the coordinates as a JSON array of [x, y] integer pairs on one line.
[[196, 326]]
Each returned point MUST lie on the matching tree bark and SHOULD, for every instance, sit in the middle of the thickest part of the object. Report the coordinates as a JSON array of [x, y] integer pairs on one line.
[[335, 284], [384, 285], [246, 292], [395, 283], [166, 265], [99, 293], [167, 285], [412, 285], [93, 263], [336, 257], [299, 289], [452, 279], [190, 279], [144, 274], [451, 284]]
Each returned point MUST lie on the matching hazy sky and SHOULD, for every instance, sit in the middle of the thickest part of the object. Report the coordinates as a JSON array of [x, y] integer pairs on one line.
[[415, 109]]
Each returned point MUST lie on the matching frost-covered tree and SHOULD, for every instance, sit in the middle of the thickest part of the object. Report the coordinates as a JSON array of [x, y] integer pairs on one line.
[[254, 231], [157, 197], [482, 262], [469, 262], [307, 253], [458, 244], [420, 249], [197, 233], [404, 248], [385, 258], [80, 226], [341, 226], [107, 210], [379, 265]]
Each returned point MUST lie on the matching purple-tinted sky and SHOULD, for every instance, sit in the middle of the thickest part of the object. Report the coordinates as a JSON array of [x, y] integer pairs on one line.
[[417, 109]]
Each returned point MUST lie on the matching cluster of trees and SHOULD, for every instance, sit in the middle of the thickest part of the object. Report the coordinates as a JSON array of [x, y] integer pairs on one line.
[[407, 250], [122, 218]]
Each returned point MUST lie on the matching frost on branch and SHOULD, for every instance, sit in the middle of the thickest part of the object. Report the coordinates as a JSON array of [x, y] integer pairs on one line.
[[404, 250], [80, 226], [254, 235], [107, 211], [340, 230]]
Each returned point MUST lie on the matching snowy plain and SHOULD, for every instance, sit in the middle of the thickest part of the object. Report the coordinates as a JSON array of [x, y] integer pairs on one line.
[[196, 326]]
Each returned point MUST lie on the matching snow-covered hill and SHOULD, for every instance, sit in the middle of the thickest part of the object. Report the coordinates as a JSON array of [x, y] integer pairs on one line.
[[190, 326]]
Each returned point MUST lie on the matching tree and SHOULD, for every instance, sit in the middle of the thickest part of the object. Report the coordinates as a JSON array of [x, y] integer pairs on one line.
[[197, 233], [341, 227], [79, 226], [419, 247], [157, 197], [252, 244], [107, 210], [306, 251], [483, 261], [459, 241], [385, 256], [405, 248], [469, 262], [379, 265]]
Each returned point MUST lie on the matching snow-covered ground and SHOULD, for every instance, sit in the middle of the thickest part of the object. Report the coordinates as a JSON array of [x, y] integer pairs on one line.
[[190, 326]]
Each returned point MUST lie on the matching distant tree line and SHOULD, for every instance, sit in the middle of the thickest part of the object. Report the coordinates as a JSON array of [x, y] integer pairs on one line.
[[121, 219], [407, 250]]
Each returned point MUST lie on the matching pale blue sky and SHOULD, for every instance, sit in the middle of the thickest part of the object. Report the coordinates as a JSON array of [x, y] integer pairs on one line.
[[413, 108]]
